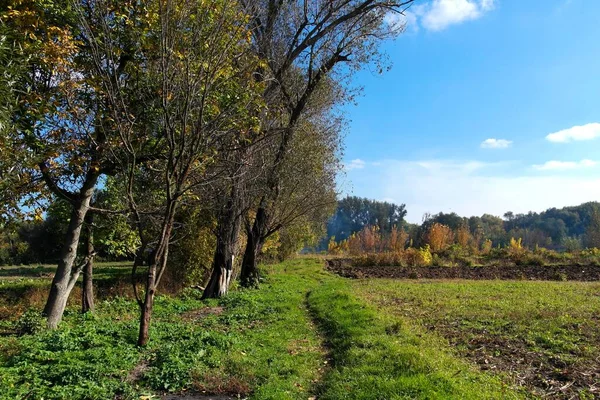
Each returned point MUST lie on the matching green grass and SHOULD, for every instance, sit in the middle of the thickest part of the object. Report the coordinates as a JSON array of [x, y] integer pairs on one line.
[[548, 329], [102, 270], [304, 333], [262, 342], [377, 356]]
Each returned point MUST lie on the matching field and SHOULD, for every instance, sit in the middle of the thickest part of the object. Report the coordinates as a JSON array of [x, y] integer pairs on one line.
[[306, 334], [542, 336]]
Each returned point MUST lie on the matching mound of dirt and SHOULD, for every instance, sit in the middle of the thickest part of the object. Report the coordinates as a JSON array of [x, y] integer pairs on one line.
[[344, 267]]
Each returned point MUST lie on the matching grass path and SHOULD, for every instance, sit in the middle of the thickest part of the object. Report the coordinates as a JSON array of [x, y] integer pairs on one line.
[[304, 334], [377, 356]]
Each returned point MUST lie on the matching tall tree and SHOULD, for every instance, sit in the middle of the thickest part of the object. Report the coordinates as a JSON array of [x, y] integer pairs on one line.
[[62, 129], [306, 189], [303, 43], [191, 97]]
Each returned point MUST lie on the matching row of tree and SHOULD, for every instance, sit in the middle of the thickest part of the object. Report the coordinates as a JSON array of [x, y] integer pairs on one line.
[[227, 108], [360, 222]]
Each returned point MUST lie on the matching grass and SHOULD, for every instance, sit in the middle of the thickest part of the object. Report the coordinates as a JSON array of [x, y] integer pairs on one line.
[[378, 356], [544, 333], [305, 333], [261, 342]]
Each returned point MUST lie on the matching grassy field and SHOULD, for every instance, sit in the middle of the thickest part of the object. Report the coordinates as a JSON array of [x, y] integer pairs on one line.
[[541, 335], [304, 334]]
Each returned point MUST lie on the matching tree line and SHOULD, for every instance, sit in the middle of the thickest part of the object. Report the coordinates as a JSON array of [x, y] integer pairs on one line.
[[169, 118], [356, 221]]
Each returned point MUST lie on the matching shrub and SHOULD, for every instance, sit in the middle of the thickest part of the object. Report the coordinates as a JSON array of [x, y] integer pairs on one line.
[[531, 259], [418, 257], [30, 322], [465, 261], [572, 244], [551, 255], [516, 252], [486, 247], [379, 259], [560, 276]]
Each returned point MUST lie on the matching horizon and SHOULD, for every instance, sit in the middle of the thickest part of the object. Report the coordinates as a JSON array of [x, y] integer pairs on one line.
[[477, 215], [490, 106]]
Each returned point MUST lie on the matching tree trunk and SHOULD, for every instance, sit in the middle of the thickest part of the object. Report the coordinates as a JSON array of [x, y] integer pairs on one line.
[[66, 275], [87, 289], [220, 278], [155, 271], [147, 305], [228, 230], [249, 274]]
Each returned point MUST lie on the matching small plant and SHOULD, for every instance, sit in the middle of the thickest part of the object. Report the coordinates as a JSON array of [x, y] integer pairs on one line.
[[486, 247], [465, 261], [561, 277], [30, 322], [532, 259]]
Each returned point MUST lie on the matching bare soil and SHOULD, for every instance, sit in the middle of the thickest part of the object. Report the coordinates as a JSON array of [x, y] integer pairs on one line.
[[344, 267]]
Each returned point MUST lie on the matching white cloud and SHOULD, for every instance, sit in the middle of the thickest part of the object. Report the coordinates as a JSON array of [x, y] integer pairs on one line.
[[355, 164], [440, 14], [437, 15], [576, 133], [496, 143], [472, 187], [565, 165]]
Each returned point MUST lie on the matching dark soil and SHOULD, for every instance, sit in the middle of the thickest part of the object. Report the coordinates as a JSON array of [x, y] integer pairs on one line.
[[345, 268]]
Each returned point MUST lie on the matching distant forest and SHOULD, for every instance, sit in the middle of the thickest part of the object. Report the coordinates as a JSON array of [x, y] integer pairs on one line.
[[556, 228]]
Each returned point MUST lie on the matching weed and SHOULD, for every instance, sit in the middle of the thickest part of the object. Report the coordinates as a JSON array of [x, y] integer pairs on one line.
[[29, 323]]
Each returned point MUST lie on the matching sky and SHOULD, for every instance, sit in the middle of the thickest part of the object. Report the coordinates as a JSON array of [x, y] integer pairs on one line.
[[490, 106]]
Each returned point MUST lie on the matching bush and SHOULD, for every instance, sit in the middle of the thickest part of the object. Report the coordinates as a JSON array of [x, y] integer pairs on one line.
[[465, 261], [418, 257], [30, 322], [560, 276], [531, 259], [379, 259]]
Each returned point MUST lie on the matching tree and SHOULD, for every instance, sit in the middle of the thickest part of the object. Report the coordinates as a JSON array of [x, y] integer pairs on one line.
[[309, 39], [306, 190], [63, 130], [463, 236], [190, 99], [592, 233], [354, 213], [439, 237]]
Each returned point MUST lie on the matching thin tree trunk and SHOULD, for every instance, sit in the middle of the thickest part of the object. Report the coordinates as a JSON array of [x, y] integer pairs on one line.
[[66, 275], [87, 290], [147, 306], [155, 270]]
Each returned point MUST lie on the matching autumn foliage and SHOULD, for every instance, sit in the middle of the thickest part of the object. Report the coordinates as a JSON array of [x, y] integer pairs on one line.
[[439, 237]]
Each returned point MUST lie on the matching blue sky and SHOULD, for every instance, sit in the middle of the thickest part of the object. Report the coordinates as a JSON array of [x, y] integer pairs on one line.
[[490, 106]]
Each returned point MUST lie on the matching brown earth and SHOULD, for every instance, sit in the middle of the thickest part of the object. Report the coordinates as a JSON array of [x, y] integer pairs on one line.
[[345, 268]]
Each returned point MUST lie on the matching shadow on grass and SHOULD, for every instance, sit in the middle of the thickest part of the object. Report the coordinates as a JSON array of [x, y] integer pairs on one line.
[[27, 271]]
